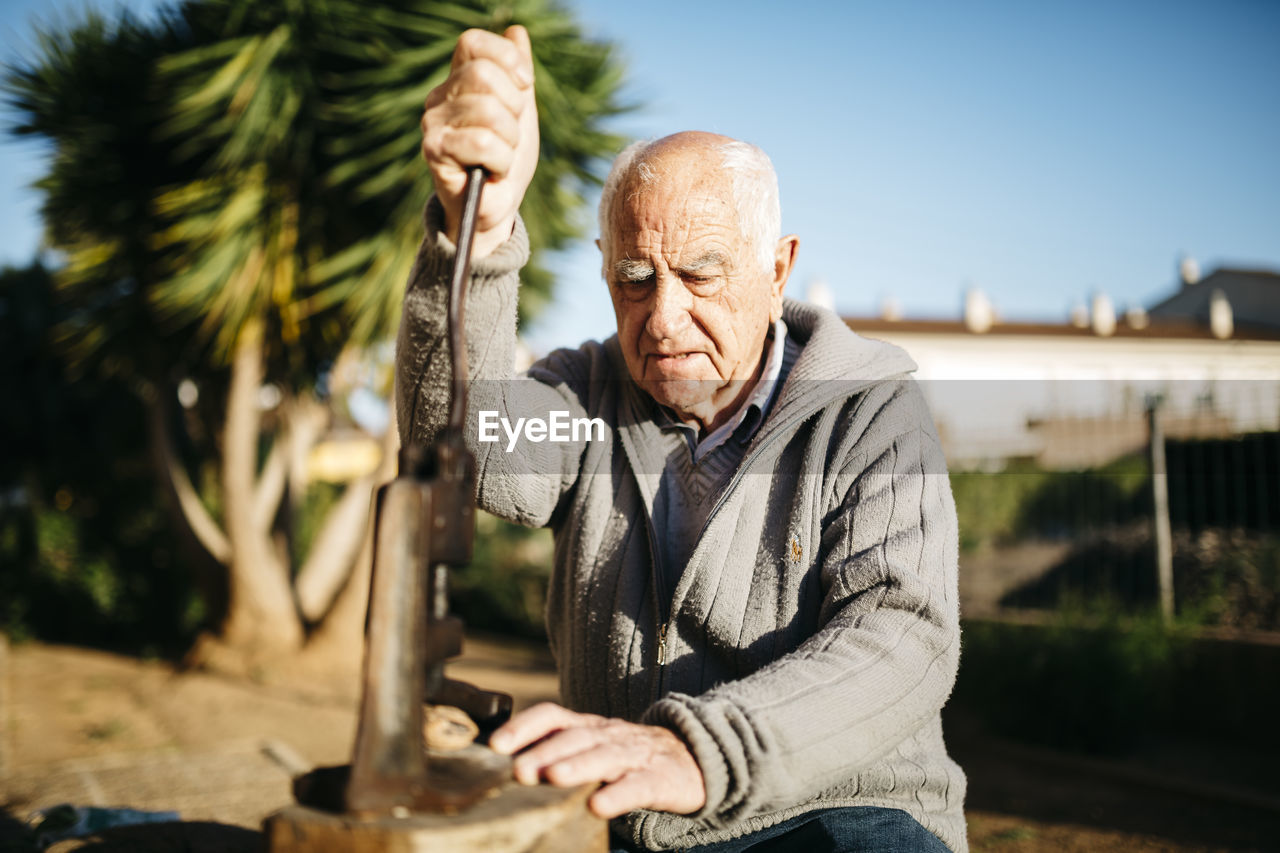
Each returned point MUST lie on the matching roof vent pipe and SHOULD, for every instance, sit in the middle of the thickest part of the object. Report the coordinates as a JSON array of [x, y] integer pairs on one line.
[[1189, 271], [979, 313], [1221, 320], [1103, 316]]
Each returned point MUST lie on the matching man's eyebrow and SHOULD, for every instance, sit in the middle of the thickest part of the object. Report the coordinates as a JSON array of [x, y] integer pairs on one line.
[[628, 269], [700, 263]]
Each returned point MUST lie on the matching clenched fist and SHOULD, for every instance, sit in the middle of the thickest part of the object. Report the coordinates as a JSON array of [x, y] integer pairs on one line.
[[484, 115]]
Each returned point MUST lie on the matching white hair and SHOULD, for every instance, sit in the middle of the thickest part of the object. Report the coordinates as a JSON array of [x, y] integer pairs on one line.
[[753, 181]]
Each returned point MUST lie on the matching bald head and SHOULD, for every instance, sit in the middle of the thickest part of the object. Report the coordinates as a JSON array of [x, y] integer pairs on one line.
[[743, 167]]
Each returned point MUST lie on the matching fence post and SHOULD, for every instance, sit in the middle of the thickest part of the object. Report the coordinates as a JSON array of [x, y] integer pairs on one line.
[[1160, 511]]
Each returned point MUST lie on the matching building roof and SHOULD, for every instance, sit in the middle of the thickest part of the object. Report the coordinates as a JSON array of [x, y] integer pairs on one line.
[[1157, 328], [1254, 296]]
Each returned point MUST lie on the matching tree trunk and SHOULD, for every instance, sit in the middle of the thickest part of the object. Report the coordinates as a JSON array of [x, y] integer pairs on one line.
[[338, 642], [204, 545], [334, 551], [262, 621]]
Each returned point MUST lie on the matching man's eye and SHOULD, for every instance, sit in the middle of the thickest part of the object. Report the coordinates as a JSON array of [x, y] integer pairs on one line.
[[634, 289]]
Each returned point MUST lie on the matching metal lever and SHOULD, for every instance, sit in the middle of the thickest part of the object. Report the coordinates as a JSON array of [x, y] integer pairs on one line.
[[458, 295]]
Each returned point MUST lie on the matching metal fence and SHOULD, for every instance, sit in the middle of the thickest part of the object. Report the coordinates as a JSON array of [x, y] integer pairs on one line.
[[1073, 520]]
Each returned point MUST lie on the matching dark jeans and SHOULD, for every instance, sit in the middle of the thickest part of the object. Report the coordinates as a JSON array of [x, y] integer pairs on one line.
[[864, 829]]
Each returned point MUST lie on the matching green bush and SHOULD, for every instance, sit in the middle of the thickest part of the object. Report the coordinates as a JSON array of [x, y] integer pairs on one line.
[[504, 590], [86, 552], [1026, 501], [1100, 682], [1095, 686], [1229, 578]]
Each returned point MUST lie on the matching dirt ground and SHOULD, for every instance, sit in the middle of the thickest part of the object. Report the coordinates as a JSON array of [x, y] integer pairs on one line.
[[90, 728]]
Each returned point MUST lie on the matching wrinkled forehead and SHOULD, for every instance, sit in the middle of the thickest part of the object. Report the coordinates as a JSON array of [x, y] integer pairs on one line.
[[675, 203]]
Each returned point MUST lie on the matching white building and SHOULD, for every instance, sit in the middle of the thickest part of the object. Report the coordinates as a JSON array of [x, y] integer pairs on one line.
[[1075, 394]]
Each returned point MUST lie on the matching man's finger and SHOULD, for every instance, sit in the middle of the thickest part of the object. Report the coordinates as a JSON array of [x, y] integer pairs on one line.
[[481, 44], [633, 790], [558, 746], [467, 146], [484, 77], [519, 36], [606, 761], [477, 111], [533, 725]]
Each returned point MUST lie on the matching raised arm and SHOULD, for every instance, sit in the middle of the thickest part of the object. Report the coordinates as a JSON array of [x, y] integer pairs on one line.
[[483, 114]]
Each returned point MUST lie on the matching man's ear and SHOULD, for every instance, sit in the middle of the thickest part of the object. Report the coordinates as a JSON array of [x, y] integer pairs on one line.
[[784, 260]]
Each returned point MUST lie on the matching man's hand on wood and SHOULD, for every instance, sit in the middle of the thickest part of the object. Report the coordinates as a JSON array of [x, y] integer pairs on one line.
[[641, 767], [484, 115]]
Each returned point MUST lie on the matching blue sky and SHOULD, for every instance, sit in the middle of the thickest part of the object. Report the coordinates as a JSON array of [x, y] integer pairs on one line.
[[1040, 151]]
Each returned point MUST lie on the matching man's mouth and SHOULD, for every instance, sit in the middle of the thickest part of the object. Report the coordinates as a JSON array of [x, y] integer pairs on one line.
[[676, 365], [674, 360]]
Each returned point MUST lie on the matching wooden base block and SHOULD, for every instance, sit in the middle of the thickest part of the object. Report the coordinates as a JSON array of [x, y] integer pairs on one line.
[[516, 819]]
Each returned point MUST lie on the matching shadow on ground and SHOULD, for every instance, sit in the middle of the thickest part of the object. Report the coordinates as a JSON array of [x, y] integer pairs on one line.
[[1117, 565], [1057, 788], [188, 837], [14, 835]]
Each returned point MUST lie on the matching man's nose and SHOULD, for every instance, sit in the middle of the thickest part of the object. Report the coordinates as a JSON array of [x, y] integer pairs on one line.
[[669, 309]]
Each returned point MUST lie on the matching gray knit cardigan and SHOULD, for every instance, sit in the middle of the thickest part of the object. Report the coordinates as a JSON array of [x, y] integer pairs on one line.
[[813, 637]]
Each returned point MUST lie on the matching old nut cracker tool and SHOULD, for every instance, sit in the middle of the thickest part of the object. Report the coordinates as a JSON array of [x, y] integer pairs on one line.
[[397, 794]]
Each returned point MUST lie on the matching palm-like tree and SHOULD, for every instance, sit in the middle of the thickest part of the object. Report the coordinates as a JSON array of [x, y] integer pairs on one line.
[[275, 227], [93, 95]]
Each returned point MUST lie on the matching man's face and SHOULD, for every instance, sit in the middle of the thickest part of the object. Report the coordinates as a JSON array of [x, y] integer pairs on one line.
[[692, 301]]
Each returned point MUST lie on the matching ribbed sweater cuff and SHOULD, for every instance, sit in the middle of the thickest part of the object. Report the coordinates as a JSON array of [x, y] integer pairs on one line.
[[673, 714], [439, 250]]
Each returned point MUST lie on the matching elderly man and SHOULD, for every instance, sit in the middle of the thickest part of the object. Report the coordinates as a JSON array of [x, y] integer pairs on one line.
[[753, 606]]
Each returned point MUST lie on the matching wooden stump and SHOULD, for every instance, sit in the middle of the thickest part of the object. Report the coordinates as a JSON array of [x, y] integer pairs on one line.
[[516, 819]]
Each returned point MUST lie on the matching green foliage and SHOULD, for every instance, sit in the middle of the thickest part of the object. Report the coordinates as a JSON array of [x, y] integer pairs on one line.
[[91, 94], [1089, 681], [86, 549], [1226, 578], [504, 590], [1101, 681], [234, 162], [1229, 578], [260, 159], [1026, 501]]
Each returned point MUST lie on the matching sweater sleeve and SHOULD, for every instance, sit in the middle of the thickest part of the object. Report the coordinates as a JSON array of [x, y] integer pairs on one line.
[[881, 666], [517, 479]]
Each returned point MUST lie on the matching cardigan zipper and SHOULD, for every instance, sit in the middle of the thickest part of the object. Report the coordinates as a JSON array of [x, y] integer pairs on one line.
[[661, 615]]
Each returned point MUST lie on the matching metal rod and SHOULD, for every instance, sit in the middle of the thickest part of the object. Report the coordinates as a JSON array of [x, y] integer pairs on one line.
[[458, 296], [1160, 512]]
